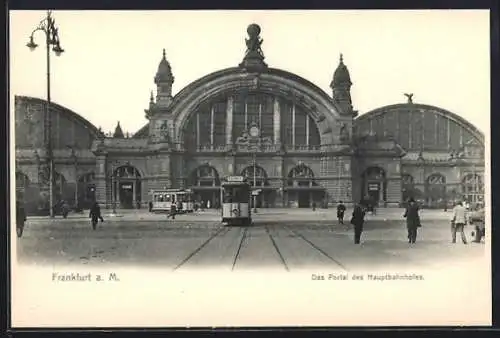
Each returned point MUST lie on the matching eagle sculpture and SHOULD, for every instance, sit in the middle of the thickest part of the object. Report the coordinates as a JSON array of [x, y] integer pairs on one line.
[[410, 97]]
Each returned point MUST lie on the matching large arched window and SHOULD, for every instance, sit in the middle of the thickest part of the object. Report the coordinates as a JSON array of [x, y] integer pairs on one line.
[[473, 188], [206, 127], [255, 175], [205, 176], [301, 175]]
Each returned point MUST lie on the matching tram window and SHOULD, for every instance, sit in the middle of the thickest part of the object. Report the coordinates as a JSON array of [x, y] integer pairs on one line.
[[168, 198], [228, 195], [235, 194]]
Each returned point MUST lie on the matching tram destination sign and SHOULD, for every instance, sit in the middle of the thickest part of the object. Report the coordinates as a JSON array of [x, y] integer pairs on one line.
[[235, 179]]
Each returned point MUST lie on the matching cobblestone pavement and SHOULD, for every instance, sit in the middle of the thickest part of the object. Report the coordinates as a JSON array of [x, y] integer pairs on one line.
[[282, 239]]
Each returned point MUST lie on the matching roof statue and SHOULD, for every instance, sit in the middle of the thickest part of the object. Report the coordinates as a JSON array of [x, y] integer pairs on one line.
[[344, 133], [164, 136], [254, 57], [410, 97]]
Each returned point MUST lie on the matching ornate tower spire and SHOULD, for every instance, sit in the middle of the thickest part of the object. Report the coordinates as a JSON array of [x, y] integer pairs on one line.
[[254, 57], [164, 80], [341, 87], [118, 131]]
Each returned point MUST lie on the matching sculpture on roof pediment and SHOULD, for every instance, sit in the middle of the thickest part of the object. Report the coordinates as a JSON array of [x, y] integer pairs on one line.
[[164, 134], [254, 42], [344, 133]]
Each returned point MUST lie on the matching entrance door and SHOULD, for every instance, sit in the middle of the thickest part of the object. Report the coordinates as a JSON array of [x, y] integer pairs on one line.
[[126, 193], [303, 199], [374, 192]]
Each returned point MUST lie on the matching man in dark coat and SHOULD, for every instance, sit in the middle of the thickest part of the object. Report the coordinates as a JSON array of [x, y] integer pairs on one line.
[[412, 220], [358, 218], [340, 212], [95, 214]]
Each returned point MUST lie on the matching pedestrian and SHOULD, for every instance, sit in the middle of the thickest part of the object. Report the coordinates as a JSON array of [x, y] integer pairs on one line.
[[314, 205], [340, 212], [208, 204], [412, 220], [458, 222], [173, 211], [150, 205], [357, 220], [64, 209], [20, 218], [95, 215]]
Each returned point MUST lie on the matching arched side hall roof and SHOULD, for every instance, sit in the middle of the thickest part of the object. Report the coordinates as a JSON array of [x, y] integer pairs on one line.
[[439, 125], [19, 99]]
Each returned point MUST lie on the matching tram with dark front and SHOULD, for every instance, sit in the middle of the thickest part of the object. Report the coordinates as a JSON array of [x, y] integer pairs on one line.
[[235, 197]]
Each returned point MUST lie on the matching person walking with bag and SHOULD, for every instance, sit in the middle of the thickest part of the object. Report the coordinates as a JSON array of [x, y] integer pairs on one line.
[[357, 220], [458, 222], [412, 220]]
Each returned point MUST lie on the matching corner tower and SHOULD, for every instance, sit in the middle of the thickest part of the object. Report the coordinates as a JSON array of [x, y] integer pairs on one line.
[[164, 80], [341, 88]]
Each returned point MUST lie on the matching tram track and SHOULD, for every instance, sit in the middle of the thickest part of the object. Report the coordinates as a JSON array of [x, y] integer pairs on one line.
[[237, 255], [283, 261], [224, 230], [318, 249]]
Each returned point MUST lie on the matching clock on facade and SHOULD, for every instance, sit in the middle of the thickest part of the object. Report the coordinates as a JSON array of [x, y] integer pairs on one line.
[[254, 131]]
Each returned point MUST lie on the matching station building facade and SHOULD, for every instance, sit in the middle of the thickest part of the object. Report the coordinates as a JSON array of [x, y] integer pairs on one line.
[[297, 144]]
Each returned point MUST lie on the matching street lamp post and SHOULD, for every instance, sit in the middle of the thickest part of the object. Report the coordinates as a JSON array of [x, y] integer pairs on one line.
[[254, 182], [47, 25], [113, 190], [75, 163]]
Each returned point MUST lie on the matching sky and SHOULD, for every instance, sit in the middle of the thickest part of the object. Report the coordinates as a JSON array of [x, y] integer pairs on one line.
[[111, 57]]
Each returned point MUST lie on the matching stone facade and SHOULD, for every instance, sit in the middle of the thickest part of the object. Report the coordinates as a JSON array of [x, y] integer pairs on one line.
[[302, 144]]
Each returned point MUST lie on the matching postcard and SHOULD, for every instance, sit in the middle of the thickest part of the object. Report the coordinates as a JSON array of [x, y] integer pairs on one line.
[[250, 168]]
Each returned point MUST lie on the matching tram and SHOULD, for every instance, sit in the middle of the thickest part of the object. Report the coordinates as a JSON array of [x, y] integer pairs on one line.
[[235, 197], [163, 199], [186, 198]]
